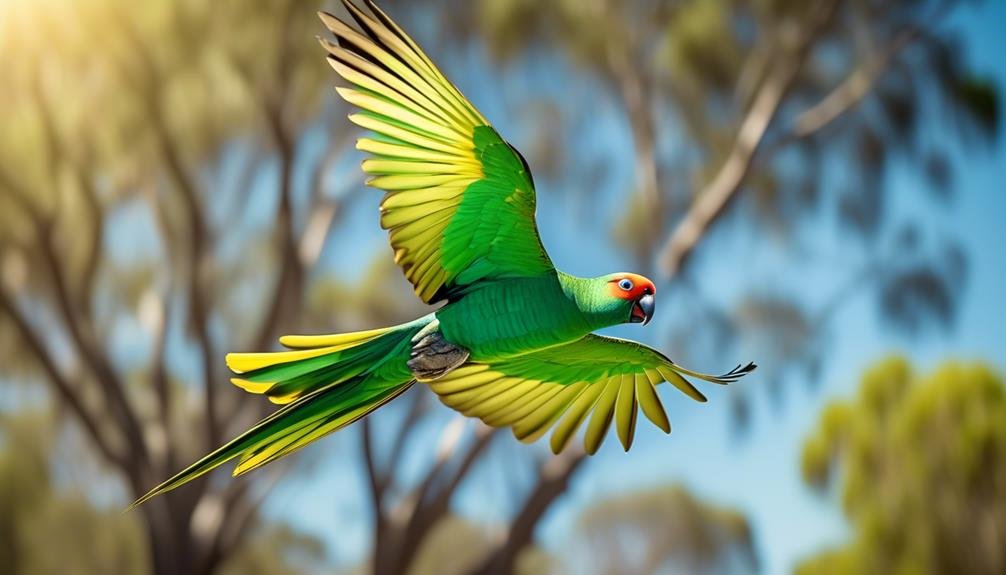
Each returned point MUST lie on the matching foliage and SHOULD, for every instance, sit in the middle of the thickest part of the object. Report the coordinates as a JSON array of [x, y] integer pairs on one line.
[[40, 523], [45, 507], [921, 467], [665, 528], [277, 550], [458, 546], [642, 532]]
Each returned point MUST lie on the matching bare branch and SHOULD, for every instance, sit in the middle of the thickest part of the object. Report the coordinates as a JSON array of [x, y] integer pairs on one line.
[[712, 200], [287, 291], [483, 438], [376, 484], [93, 257], [373, 474], [426, 491], [429, 510], [149, 83], [81, 332], [312, 241], [338, 142], [84, 339], [322, 211], [751, 72], [553, 480], [635, 95], [241, 514], [857, 85], [159, 376], [239, 505], [416, 410], [60, 384]]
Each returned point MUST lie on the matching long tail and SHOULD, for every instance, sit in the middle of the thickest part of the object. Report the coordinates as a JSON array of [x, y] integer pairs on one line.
[[327, 383]]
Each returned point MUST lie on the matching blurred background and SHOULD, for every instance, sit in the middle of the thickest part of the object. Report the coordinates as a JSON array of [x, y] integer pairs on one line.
[[817, 186]]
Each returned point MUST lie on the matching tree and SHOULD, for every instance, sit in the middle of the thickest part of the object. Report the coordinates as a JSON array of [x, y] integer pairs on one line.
[[406, 516], [649, 531], [664, 528], [457, 546], [135, 138], [920, 465], [39, 521], [43, 517]]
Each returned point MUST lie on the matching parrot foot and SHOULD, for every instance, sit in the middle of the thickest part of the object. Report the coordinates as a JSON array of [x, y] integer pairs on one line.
[[433, 357]]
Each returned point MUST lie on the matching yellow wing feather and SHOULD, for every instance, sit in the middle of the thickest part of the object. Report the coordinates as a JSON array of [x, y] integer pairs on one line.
[[425, 159], [606, 379]]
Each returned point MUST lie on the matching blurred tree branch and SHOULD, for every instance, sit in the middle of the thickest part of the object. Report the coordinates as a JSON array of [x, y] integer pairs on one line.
[[80, 329], [55, 377], [714, 198], [400, 531], [553, 479], [403, 528], [849, 93], [797, 39]]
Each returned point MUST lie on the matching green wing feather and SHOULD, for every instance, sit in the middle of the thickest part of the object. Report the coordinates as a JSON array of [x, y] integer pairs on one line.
[[460, 201], [607, 379]]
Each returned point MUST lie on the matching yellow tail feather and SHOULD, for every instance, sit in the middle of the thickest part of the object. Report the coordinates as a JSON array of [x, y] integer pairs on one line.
[[245, 362], [303, 347], [340, 340]]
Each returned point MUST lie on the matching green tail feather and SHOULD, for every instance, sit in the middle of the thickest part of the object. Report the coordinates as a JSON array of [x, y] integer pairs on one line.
[[335, 391], [290, 428]]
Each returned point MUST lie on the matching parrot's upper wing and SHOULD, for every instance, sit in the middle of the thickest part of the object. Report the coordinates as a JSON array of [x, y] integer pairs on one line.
[[605, 375], [460, 201]]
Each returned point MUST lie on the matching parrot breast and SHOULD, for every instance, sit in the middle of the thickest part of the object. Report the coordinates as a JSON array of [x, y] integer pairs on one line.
[[511, 317]]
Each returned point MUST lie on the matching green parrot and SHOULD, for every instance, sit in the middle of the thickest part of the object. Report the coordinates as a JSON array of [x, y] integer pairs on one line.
[[513, 343]]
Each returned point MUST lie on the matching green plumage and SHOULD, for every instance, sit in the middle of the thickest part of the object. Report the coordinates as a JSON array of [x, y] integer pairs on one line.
[[459, 208], [337, 389]]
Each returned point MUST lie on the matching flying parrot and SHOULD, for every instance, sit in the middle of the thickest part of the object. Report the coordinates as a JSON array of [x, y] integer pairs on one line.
[[513, 343]]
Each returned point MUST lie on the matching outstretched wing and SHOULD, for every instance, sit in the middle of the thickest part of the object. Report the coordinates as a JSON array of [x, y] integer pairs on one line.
[[607, 376], [460, 201]]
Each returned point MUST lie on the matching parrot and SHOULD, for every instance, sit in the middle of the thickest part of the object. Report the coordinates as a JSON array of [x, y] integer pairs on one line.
[[513, 342]]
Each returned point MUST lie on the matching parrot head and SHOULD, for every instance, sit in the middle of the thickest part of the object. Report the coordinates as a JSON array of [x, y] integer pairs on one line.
[[633, 295]]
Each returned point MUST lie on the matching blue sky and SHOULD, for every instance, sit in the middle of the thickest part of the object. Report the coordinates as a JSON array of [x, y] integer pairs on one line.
[[759, 474]]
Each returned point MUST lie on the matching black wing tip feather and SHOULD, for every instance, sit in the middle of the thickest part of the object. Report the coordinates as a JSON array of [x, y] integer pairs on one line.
[[724, 379], [359, 16], [349, 44], [737, 373]]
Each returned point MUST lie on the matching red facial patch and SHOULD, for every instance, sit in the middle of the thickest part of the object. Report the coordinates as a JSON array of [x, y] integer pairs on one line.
[[631, 286]]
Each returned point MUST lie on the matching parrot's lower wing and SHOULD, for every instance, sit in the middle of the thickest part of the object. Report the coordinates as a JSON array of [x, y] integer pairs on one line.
[[607, 376], [460, 201]]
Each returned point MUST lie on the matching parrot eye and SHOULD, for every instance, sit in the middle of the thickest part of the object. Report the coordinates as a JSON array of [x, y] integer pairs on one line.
[[625, 283]]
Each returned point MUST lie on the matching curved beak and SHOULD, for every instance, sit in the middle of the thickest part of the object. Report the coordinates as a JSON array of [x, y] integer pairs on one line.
[[642, 310]]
